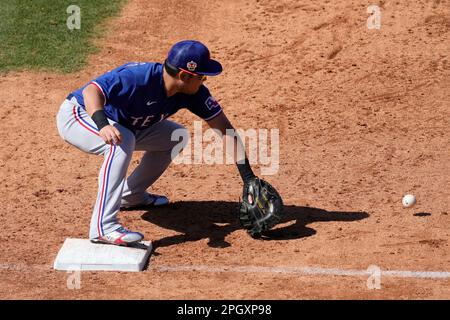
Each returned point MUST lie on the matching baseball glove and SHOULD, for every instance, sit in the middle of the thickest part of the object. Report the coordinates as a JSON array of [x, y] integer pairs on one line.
[[261, 207]]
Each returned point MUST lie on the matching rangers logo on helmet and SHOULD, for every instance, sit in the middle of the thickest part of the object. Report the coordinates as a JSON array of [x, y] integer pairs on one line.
[[192, 65]]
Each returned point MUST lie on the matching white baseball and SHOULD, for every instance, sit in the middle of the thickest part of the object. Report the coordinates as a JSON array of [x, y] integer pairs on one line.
[[409, 200]]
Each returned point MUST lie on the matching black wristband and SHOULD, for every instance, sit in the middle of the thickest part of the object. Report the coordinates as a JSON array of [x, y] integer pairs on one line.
[[99, 117], [245, 170]]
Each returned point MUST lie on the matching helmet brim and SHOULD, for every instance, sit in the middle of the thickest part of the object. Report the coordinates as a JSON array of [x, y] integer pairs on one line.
[[213, 68]]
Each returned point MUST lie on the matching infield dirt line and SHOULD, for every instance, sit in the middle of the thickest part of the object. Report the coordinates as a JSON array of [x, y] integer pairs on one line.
[[307, 271], [274, 270]]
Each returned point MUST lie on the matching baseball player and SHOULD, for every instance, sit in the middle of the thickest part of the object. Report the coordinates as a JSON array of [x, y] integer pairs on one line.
[[126, 109]]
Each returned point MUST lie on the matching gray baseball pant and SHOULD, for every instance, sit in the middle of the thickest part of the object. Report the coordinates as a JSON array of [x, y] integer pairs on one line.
[[77, 128]]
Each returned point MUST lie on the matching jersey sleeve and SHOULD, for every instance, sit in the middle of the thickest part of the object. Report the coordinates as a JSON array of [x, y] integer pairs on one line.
[[116, 88], [204, 105]]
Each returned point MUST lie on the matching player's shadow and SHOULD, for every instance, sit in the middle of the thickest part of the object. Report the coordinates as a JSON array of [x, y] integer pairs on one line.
[[214, 220]]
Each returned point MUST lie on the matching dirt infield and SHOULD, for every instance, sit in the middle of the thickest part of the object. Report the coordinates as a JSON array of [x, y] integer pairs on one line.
[[364, 117]]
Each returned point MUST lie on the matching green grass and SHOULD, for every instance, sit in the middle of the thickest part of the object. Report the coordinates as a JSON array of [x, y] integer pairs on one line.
[[34, 33]]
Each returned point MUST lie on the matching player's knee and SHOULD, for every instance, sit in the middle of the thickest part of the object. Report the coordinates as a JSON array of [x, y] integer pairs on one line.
[[128, 141]]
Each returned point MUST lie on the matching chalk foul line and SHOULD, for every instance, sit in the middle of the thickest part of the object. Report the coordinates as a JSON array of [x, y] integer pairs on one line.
[[304, 271], [307, 271]]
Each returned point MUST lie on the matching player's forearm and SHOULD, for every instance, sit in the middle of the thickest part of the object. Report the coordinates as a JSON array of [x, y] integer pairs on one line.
[[94, 102], [232, 138], [234, 145], [237, 151], [239, 156]]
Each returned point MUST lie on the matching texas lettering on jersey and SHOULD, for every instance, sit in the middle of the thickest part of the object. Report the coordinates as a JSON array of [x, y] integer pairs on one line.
[[136, 98]]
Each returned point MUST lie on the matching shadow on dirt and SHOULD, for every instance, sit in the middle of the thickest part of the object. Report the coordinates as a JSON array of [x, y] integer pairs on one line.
[[214, 220], [422, 214]]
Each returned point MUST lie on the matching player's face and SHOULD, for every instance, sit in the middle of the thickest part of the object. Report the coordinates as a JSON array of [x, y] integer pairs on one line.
[[191, 83]]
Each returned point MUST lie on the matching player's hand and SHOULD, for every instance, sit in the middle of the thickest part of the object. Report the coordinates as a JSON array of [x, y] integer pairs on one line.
[[111, 135]]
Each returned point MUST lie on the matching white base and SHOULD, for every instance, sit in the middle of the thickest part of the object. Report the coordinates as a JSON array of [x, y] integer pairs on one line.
[[83, 255]]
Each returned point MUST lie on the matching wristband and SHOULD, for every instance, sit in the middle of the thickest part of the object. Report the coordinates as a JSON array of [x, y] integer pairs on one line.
[[99, 117], [245, 170]]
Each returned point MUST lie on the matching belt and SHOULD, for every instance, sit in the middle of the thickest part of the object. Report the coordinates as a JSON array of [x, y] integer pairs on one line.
[[70, 96]]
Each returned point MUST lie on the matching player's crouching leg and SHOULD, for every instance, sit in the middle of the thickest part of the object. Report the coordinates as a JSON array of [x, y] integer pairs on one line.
[[104, 223]]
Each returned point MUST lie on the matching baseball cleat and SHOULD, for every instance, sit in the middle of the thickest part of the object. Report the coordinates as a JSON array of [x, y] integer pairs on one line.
[[120, 237], [153, 200]]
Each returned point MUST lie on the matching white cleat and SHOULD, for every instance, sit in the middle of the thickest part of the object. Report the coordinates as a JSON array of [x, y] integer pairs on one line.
[[153, 200], [120, 237]]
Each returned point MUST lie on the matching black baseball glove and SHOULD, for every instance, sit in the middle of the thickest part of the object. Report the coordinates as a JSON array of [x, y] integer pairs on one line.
[[261, 207]]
